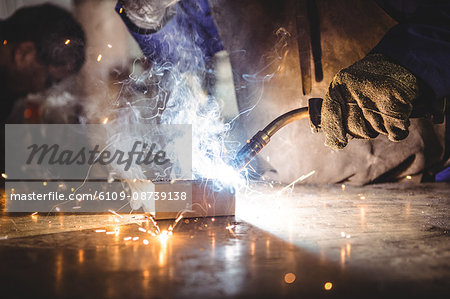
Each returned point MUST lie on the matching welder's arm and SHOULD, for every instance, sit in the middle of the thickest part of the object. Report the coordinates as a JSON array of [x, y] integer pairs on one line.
[[421, 43], [373, 96], [363, 100], [172, 31], [148, 14]]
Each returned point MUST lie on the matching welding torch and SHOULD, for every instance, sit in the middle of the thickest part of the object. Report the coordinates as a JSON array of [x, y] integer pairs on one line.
[[262, 138]]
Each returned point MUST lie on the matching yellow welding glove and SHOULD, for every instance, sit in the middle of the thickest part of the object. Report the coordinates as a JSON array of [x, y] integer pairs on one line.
[[370, 97]]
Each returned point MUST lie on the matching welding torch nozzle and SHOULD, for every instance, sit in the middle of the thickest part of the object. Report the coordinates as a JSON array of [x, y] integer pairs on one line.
[[262, 138]]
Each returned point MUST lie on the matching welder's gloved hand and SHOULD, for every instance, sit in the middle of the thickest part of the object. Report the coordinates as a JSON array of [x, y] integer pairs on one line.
[[149, 14], [372, 96]]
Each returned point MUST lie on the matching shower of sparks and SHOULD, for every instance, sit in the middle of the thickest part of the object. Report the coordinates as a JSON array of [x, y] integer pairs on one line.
[[4, 176], [99, 57], [67, 41], [328, 286], [291, 185], [163, 236]]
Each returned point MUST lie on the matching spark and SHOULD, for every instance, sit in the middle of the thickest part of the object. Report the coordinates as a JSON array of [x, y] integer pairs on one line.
[[67, 41], [230, 227], [135, 238], [115, 213], [145, 241], [35, 213], [178, 219], [105, 120], [127, 238], [4, 176], [343, 187], [121, 10], [408, 177], [5, 42], [362, 197], [289, 277], [44, 183], [57, 209], [213, 219], [142, 229], [100, 230], [328, 286], [99, 57], [109, 46], [155, 224], [76, 208], [110, 233], [302, 178], [343, 234]]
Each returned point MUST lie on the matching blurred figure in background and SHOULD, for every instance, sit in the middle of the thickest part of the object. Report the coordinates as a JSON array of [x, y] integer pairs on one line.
[[40, 46]]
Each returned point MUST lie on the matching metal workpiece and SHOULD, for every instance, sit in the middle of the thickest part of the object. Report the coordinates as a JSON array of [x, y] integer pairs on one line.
[[209, 199]]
